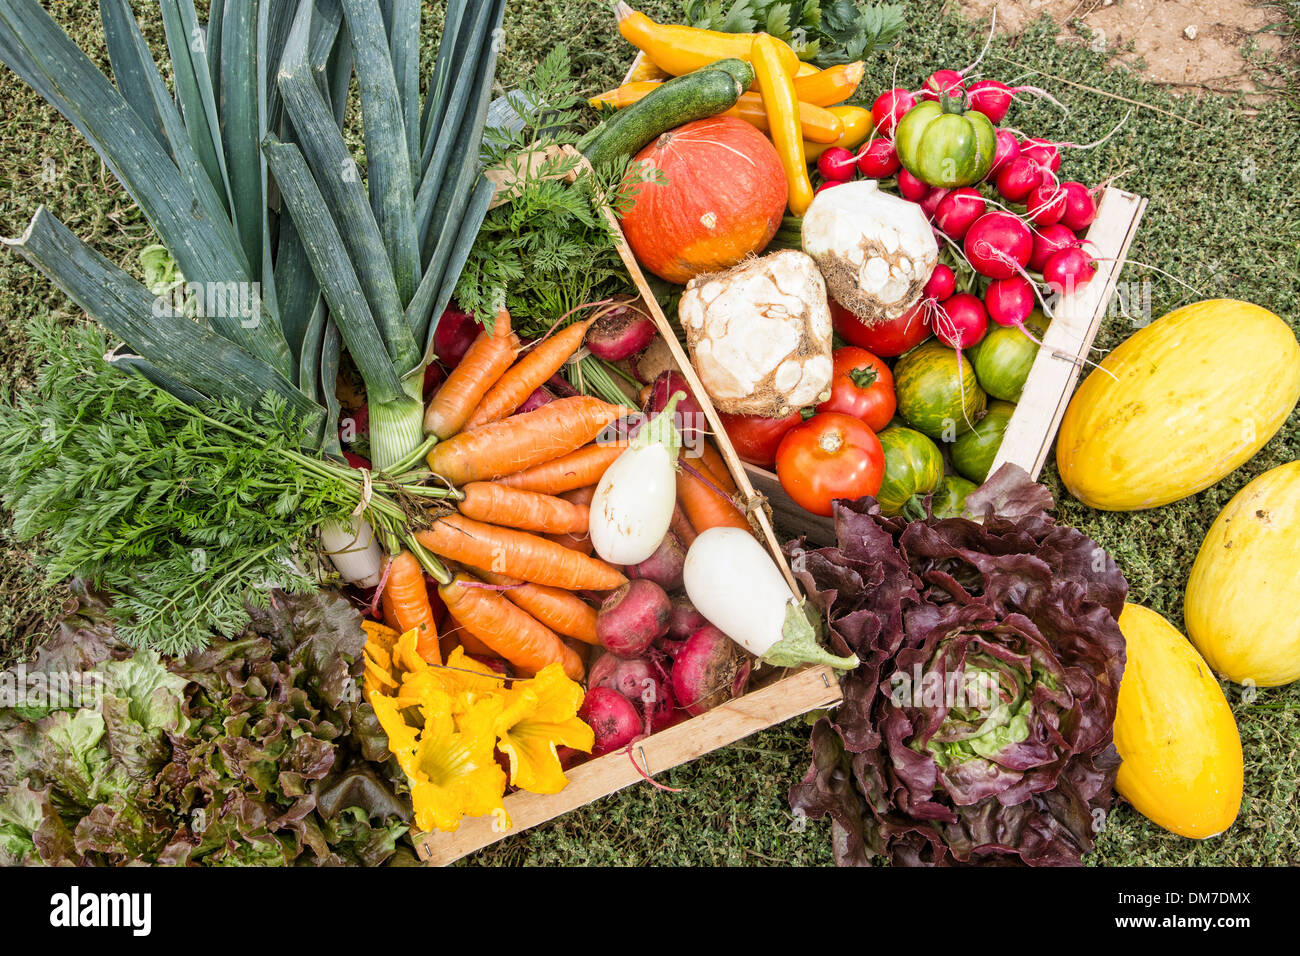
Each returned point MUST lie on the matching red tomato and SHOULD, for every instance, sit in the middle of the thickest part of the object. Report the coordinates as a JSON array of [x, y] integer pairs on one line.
[[888, 338], [862, 386], [756, 437], [827, 457]]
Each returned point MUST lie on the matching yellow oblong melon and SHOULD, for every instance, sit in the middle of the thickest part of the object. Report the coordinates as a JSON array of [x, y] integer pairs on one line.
[[1242, 605], [1181, 754], [1178, 406]]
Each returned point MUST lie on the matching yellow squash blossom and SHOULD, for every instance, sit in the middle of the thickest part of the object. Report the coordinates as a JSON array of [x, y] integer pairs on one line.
[[453, 770], [539, 714]]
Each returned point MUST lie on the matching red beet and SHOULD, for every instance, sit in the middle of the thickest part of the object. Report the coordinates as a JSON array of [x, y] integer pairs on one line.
[[613, 719], [690, 419], [664, 567], [684, 620], [710, 668], [539, 397], [454, 334], [632, 618], [641, 681], [619, 334]]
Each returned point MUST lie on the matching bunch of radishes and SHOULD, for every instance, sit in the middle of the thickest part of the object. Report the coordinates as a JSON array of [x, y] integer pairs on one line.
[[1016, 232], [662, 661]]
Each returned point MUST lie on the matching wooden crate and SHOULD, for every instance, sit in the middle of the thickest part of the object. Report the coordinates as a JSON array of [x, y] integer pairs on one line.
[[776, 695], [1068, 340]]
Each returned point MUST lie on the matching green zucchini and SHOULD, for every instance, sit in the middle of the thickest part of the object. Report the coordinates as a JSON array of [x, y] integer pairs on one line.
[[695, 96]]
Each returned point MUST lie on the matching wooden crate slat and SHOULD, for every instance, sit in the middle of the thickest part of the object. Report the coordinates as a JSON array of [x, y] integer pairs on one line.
[[1068, 340], [806, 690]]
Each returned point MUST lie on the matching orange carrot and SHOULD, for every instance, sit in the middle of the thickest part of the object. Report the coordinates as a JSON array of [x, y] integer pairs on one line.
[[495, 503], [518, 554], [458, 636], [704, 507], [574, 470], [406, 605], [543, 360], [510, 631], [562, 611], [714, 466], [485, 362], [522, 441]]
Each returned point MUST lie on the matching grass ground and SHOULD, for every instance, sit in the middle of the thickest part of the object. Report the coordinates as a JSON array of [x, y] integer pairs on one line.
[[1220, 175]]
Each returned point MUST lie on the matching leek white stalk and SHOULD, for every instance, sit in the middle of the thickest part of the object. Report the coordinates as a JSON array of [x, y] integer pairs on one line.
[[738, 588], [352, 548], [633, 504]]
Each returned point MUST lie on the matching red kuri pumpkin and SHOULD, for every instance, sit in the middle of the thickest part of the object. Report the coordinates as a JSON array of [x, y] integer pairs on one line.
[[718, 196]]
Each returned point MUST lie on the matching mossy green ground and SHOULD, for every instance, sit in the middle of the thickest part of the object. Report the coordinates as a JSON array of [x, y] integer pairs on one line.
[[1221, 177]]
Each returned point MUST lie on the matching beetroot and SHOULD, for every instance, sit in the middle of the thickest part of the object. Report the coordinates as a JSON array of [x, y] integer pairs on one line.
[[710, 668], [633, 617], [689, 416], [540, 396], [684, 620], [454, 334], [620, 333], [613, 719], [664, 567], [643, 682]]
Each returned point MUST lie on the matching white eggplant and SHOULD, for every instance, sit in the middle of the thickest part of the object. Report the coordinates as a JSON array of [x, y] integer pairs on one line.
[[633, 504], [353, 550], [739, 589]]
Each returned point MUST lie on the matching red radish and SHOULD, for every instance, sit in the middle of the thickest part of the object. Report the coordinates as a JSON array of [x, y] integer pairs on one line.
[[1069, 269], [455, 333], [990, 97], [1047, 240], [1009, 301], [878, 159], [930, 201], [1007, 149], [643, 682], [957, 211], [1080, 207], [1018, 177], [941, 284], [941, 82], [619, 334], [633, 617], [688, 415], [612, 718], [684, 619], [1045, 203], [540, 396], [998, 245], [1042, 152], [709, 669], [828, 184], [911, 188], [889, 108], [837, 164], [664, 567], [960, 321]]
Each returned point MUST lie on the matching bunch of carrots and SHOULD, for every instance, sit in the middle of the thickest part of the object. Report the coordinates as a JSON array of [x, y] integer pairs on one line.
[[521, 584]]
